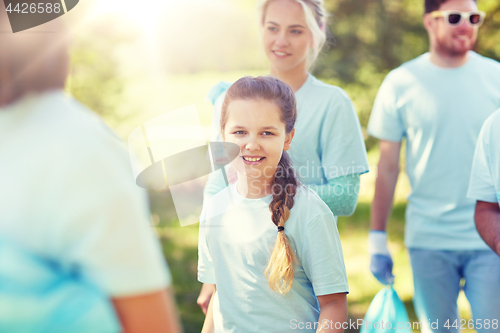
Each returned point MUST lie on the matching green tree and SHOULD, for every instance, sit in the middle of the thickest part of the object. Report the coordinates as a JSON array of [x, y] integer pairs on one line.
[[95, 78]]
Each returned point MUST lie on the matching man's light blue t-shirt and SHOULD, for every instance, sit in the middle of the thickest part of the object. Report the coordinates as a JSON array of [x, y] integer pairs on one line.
[[236, 239], [485, 176], [440, 112]]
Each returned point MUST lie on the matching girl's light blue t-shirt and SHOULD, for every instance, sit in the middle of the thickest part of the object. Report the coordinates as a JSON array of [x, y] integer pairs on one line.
[[236, 239], [440, 112]]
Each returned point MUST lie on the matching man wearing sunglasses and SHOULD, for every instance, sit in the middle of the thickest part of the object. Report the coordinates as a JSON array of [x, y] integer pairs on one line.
[[438, 102]]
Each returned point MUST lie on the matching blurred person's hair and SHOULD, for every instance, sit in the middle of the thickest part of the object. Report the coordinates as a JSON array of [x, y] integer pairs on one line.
[[316, 17], [31, 61], [433, 5]]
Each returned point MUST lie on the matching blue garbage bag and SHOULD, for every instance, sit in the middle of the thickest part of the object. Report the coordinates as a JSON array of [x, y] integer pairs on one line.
[[39, 295], [387, 313]]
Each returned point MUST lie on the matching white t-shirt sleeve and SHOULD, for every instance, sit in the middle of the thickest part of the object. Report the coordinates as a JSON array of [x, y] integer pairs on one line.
[[206, 272], [104, 223], [341, 142], [481, 185], [385, 122], [322, 257]]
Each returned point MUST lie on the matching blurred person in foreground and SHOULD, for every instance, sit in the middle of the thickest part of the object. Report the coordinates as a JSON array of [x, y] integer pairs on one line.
[[77, 250], [438, 102], [484, 185]]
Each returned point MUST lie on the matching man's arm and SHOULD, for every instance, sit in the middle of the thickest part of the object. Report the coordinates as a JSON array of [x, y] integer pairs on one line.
[[385, 184], [387, 177], [333, 309], [154, 312], [487, 217]]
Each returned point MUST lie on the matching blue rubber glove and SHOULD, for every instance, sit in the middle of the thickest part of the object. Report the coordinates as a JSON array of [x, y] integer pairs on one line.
[[381, 262], [381, 267]]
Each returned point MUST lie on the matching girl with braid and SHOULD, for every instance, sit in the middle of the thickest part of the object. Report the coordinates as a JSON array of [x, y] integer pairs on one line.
[[328, 153], [269, 244]]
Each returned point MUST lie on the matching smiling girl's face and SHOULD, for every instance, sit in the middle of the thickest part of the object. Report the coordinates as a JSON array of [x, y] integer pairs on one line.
[[256, 127], [286, 37]]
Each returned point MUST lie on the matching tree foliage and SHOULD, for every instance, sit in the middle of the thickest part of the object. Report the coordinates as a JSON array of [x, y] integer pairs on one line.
[[95, 77]]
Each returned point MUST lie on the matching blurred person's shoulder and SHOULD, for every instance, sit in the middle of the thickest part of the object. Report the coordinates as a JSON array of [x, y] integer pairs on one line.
[[492, 122], [73, 130], [494, 119], [76, 123], [64, 137]]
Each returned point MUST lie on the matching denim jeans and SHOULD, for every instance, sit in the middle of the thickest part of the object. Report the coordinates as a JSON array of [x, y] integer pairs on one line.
[[436, 278]]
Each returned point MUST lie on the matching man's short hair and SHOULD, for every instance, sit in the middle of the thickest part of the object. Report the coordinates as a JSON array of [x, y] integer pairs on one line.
[[432, 5]]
